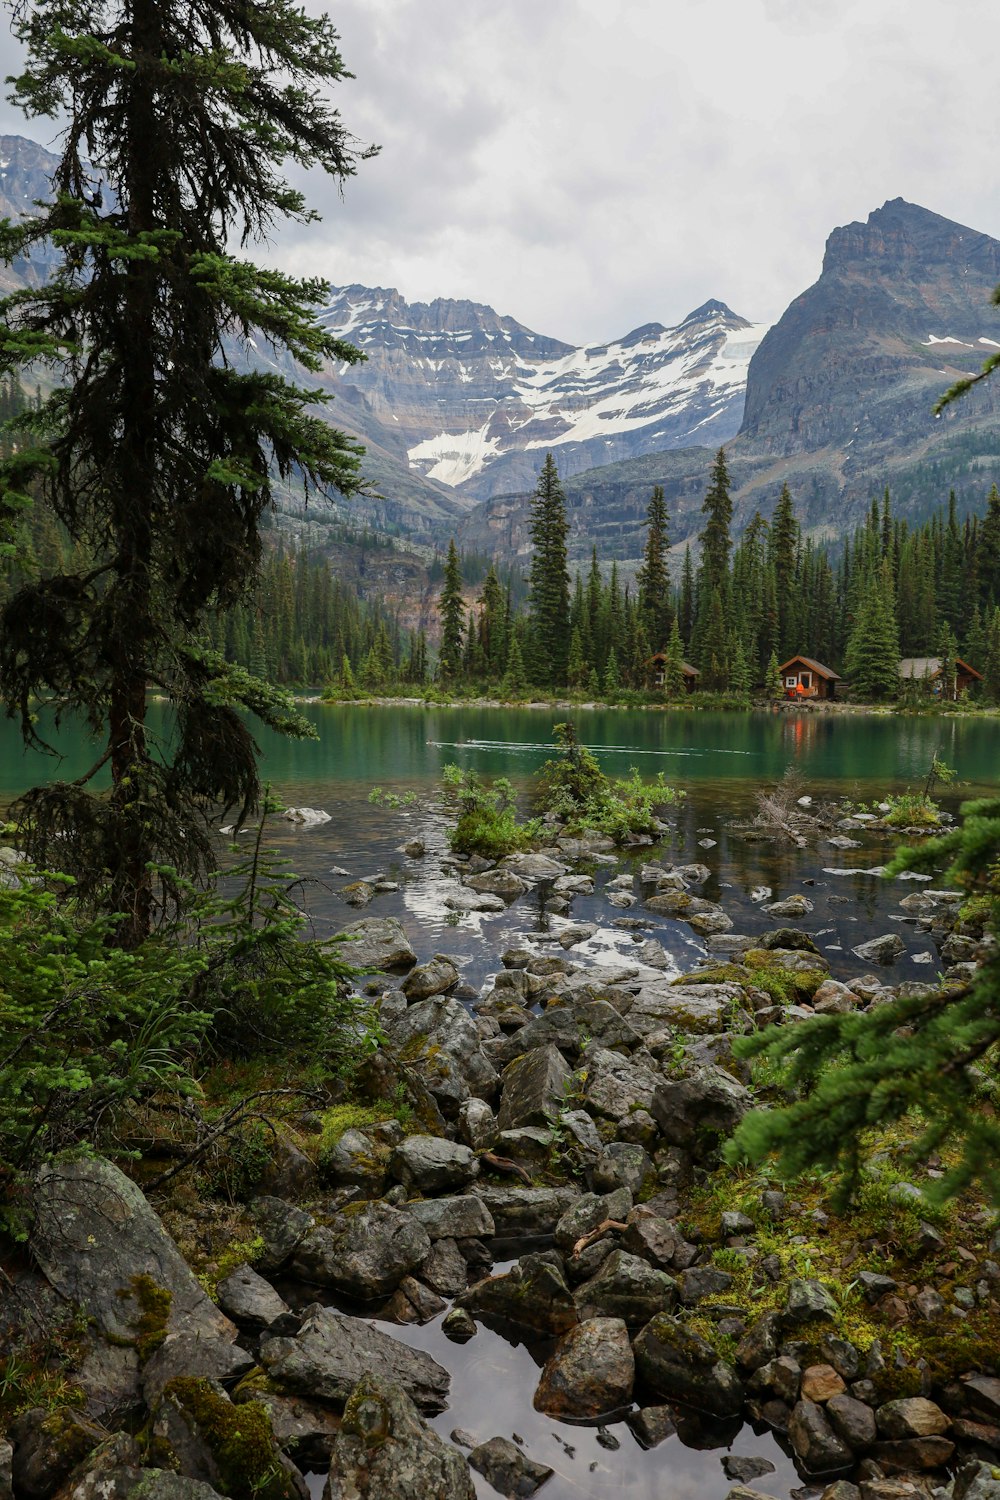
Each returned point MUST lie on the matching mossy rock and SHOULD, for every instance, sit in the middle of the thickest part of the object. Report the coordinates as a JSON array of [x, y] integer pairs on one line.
[[239, 1440]]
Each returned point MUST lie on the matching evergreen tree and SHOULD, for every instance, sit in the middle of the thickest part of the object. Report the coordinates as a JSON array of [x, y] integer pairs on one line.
[[773, 685], [873, 649], [549, 581], [452, 611], [515, 678], [577, 669], [686, 610], [782, 551], [612, 676], [492, 624], [673, 666], [653, 577], [158, 452], [713, 575]]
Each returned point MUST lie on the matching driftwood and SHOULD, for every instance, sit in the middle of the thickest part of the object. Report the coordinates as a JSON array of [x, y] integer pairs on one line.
[[598, 1234], [504, 1165]]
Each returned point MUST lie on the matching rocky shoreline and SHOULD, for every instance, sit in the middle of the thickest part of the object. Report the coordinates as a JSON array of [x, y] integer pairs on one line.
[[568, 1120]]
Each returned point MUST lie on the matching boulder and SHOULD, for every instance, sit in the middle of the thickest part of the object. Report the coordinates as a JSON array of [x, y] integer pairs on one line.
[[533, 867], [358, 893], [466, 1217], [363, 1254], [852, 1420], [532, 1294], [306, 817], [911, 1417], [654, 1238], [881, 950], [101, 1246], [429, 979], [385, 1449], [433, 1165], [702, 1281], [477, 1124], [678, 1364], [445, 1270], [281, 1227], [375, 943], [502, 883], [590, 1374], [587, 1212], [330, 1354], [355, 1160], [414, 1302], [524, 1210], [624, 1164], [48, 1446], [791, 906], [464, 900], [508, 1469], [808, 1300], [439, 1040], [616, 1085], [231, 1448], [695, 1112], [913, 1453], [815, 1442], [533, 1088], [184, 1354], [626, 1287], [983, 1394]]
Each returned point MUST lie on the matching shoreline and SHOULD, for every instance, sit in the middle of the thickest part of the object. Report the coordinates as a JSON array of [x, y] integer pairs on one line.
[[594, 705]]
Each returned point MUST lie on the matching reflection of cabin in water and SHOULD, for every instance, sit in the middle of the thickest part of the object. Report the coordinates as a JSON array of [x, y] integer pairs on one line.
[[801, 677], [657, 665], [927, 670]]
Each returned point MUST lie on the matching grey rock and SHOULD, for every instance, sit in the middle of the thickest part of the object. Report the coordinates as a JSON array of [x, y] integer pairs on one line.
[[179, 1424], [852, 1420], [330, 1354], [458, 1325], [874, 1285], [6, 1451], [433, 1165], [533, 867], [759, 1345], [792, 906], [355, 1160], [579, 1128], [816, 1444], [385, 1450], [364, 1254], [375, 943], [129, 1483], [95, 1238], [624, 1165], [587, 1212], [702, 1281], [652, 1425], [510, 1471], [414, 1302], [445, 1269], [743, 1469], [502, 883], [656, 1239], [615, 1085], [678, 1364], [429, 979], [358, 893], [628, 1288], [532, 1294], [976, 1480], [248, 1299], [438, 1039], [533, 1088], [184, 1354], [807, 1300], [477, 1124], [929, 1304], [907, 1454], [464, 1217], [735, 1223], [471, 901], [282, 1227], [48, 1446], [695, 1112], [524, 1210], [881, 950], [590, 1374], [913, 1416], [983, 1394]]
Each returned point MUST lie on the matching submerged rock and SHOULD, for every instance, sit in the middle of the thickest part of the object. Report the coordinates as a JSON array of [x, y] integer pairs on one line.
[[532, 1294], [509, 1470], [375, 943]]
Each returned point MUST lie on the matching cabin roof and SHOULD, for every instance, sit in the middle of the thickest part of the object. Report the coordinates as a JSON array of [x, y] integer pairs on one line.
[[659, 657], [814, 666], [930, 666]]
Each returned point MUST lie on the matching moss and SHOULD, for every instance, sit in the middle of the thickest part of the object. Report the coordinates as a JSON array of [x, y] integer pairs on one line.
[[785, 986], [239, 1438], [256, 1382], [154, 1303]]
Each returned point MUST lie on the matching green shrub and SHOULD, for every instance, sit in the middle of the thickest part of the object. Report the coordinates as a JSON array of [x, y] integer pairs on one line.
[[577, 791], [487, 821]]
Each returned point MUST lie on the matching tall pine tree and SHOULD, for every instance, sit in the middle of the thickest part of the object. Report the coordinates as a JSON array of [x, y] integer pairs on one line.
[[548, 598]]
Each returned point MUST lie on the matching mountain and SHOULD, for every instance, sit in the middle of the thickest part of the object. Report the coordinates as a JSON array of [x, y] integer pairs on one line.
[[473, 400], [839, 398]]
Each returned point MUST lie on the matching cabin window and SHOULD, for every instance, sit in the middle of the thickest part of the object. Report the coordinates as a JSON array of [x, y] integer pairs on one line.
[[791, 682]]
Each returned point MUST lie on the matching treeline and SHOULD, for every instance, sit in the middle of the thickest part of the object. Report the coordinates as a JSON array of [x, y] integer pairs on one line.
[[894, 590]]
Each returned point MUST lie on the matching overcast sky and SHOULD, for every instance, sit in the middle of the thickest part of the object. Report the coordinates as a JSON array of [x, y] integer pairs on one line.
[[590, 165]]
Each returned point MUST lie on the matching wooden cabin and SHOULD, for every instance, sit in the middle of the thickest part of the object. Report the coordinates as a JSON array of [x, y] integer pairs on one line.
[[801, 677], [657, 667], [927, 669]]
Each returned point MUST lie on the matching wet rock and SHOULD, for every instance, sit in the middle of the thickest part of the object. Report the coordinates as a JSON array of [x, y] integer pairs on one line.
[[881, 950], [363, 1254], [792, 906], [465, 1217], [358, 893], [502, 883], [534, 1088], [815, 1442], [471, 901], [524, 1210], [913, 1416], [413, 1302], [330, 1353], [306, 817], [678, 1364], [532, 1294], [808, 1300], [509, 1470], [375, 943], [533, 867], [590, 1374], [852, 1420], [281, 1227], [577, 932], [745, 1469], [433, 1165], [696, 1112], [48, 1446], [385, 1449], [432, 978], [983, 1394], [652, 1425]]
